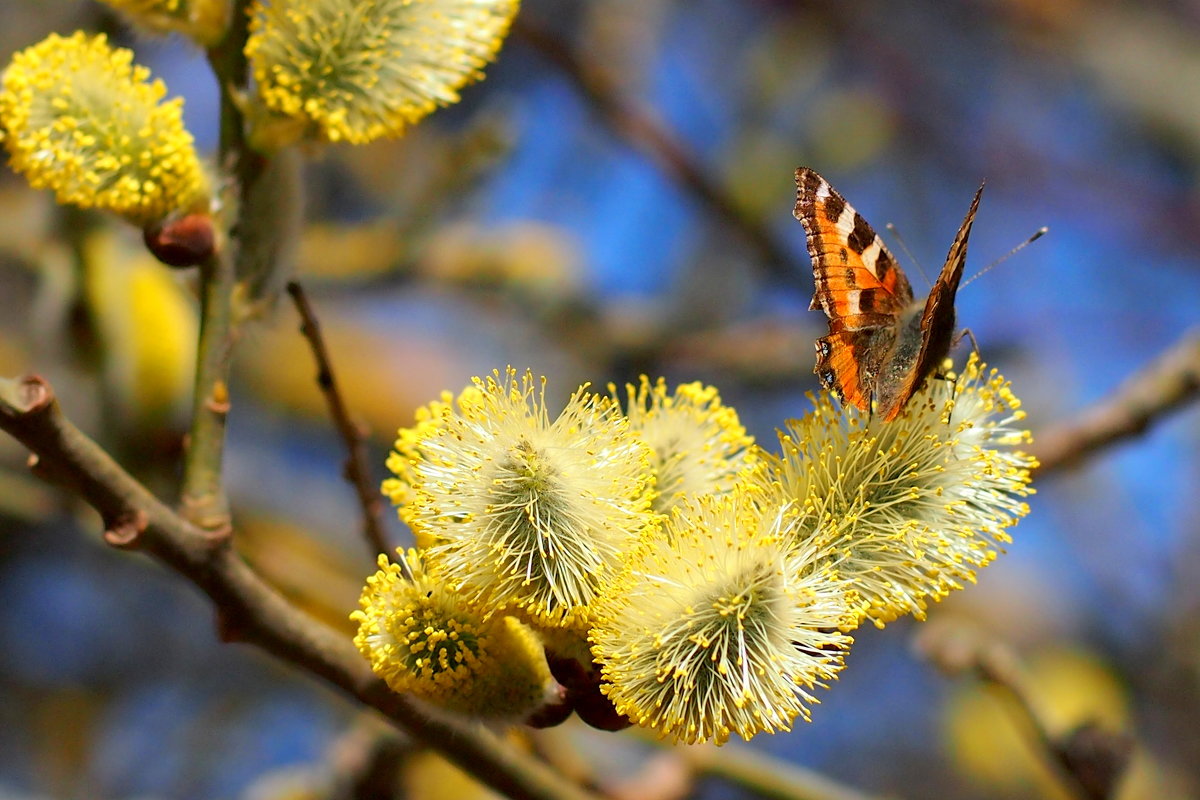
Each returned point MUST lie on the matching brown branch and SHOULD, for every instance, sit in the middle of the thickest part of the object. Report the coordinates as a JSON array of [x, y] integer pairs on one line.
[[248, 609], [644, 132], [1167, 383], [355, 471]]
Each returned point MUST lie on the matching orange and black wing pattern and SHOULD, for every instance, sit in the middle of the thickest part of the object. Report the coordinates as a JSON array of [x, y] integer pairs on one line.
[[859, 286], [937, 320]]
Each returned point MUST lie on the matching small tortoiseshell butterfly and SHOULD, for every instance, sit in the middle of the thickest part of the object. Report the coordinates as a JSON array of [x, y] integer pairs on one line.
[[882, 343]]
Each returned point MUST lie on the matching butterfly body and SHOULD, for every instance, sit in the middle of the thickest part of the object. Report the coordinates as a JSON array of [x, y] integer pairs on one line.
[[883, 343]]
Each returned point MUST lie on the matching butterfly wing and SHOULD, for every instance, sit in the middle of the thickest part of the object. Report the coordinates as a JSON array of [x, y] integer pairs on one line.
[[859, 286], [937, 319]]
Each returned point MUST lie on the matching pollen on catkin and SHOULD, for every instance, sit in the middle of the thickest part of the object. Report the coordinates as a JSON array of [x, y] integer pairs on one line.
[[407, 453], [719, 623], [359, 70], [698, 444], [79, 117], [907, 510], [518, 508], [425, 639], [204, 21]]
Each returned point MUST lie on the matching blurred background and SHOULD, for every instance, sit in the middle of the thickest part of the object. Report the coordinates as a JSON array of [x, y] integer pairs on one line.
[[615, 198]]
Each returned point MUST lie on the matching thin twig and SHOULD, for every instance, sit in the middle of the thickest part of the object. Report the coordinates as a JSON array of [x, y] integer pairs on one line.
[[356, 470], [1167, 383], [248, 609], [641, 129]]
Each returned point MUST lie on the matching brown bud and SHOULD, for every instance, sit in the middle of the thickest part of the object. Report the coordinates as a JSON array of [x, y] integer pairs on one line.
[[552, 714], [181, 241], [568, 671], [596, 710]]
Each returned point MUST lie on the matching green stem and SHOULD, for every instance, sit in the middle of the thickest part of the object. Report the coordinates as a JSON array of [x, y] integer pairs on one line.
[[204, 500]]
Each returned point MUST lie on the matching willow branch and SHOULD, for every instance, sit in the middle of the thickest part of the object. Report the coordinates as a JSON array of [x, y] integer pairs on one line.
[[1167, 383], [355, 470], [766, 776], [248, 609], [644, 132], [1088, 761], [762, 774]]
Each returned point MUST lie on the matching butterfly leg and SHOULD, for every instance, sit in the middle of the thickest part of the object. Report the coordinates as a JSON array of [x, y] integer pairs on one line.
[[966, 332]]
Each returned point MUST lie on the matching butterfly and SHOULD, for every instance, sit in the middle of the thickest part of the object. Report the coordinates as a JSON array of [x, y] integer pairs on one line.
[[882, 342]]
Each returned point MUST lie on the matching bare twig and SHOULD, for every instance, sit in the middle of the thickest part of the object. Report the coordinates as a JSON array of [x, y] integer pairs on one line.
[[1168, 382], [248, 609], [1088, 761], [356, 470], [640, 128]]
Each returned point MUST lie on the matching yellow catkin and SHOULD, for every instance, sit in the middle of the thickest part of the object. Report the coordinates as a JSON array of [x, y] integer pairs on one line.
[[359, 70], [80, 118], [718, 624], [907, 510], [698, 444], [529, 510], [424, 638]]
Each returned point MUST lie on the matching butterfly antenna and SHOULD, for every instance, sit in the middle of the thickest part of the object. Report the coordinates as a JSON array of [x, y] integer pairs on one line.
[[1039, 233], [895, 232]]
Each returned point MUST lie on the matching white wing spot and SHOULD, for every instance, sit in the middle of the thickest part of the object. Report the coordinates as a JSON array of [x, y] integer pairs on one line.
[[870, 256], [845, 222]]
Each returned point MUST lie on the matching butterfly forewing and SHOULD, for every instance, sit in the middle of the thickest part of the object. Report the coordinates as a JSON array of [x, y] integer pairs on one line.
[[937, 319], [857, 284], [881, 344]]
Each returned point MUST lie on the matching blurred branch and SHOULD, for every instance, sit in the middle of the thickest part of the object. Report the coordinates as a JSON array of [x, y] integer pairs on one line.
[[248, 609], [644, 132], [1088, 761], [764, 775], [1167, 383], [366, 761], [760, 773], [355, 470]]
